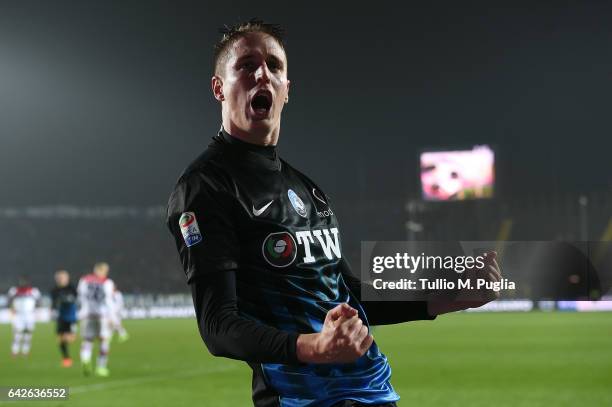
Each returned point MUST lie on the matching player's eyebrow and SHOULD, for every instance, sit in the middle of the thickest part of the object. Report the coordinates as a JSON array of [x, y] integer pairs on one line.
[[243, 57], [273, 57], [248, 56]]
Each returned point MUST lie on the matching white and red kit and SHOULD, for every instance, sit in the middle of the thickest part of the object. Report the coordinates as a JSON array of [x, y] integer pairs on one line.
[[96, 306], [23, 303]]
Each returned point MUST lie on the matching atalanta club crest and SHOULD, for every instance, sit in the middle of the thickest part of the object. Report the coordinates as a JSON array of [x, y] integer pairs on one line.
[[190, 229], [279, 249], [297, 203]]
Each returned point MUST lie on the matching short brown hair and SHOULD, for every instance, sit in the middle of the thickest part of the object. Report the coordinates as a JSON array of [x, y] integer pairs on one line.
[[232, 33]]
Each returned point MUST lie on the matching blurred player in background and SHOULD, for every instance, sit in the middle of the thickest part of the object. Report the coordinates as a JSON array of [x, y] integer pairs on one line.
[[22, 302], [95, 293], [63, 302], [116, 316]]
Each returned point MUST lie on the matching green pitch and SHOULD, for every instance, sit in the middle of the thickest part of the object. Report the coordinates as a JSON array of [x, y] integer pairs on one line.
[[514, 359]]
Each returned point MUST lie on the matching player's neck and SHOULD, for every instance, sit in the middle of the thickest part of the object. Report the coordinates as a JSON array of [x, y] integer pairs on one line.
[[266, 151], [260, 137]]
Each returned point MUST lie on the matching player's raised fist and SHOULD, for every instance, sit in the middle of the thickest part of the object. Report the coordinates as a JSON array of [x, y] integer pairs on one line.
[[490, 273]]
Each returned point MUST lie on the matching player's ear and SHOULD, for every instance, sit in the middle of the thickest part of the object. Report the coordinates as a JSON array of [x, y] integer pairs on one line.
[[287, 97], [217, 88]]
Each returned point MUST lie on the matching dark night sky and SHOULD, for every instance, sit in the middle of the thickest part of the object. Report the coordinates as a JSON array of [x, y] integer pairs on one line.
[[106, 103]]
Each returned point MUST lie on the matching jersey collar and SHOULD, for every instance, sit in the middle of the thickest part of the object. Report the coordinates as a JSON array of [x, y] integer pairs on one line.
[[250, 154]]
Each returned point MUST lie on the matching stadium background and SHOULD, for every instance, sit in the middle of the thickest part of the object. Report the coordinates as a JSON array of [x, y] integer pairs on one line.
[[103, 104]]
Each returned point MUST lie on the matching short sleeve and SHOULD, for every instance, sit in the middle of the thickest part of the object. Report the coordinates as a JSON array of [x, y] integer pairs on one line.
[[204, 231]]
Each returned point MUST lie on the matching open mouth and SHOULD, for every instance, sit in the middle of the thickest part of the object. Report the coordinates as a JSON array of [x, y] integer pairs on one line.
[[262, 102]]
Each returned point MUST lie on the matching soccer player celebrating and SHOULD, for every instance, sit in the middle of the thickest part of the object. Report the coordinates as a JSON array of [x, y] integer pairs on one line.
[[63, 302], [95, 293], [22, 301], [261, 249]]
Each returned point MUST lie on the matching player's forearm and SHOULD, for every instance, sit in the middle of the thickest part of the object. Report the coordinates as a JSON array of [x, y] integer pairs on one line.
[[385, 312], [395, 312], [230, 335], [246, 340], [390, 312]]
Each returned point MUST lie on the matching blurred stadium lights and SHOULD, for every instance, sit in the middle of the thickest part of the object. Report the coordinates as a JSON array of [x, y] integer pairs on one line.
[[78, 212], [414, 226]]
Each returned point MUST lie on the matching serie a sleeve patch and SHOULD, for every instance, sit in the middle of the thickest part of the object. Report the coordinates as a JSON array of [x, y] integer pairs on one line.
[[190, 229]]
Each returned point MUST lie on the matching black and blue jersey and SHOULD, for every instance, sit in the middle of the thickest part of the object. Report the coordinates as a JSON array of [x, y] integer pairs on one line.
[[64, 302], [240, 209]]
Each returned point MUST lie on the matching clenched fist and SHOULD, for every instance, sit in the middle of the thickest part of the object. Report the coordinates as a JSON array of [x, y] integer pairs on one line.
[[343, 339]]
